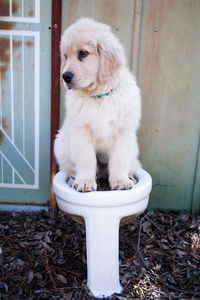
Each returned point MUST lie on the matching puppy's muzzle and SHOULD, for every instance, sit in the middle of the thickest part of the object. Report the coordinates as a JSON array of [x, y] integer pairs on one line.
[[67, 77]]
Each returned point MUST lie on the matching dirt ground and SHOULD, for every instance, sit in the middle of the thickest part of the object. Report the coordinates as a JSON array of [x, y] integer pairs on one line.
[[43, 257]]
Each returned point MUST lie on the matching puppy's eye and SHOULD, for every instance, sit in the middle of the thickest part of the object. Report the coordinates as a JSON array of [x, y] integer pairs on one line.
[[65, 56], [82, 54]]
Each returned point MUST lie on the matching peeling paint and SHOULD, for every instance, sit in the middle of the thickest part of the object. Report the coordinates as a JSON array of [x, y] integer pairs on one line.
[[29, 44], [16, 44], [1, 137], [31, 13], [4, 126], [4, 55], [7, 25], [15, 7], [5, 7]]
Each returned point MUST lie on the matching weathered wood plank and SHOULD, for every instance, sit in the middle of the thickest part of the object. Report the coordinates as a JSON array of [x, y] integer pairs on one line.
[[169, 74]]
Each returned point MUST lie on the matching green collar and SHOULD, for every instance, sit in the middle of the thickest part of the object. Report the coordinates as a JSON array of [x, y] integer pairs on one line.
[[102, 95]]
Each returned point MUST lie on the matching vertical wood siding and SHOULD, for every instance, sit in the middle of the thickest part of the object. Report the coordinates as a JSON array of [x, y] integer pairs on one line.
[[162, 42], [169, 74]]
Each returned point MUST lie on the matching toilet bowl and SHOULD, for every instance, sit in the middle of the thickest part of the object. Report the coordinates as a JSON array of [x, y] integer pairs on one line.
[[102, 212]]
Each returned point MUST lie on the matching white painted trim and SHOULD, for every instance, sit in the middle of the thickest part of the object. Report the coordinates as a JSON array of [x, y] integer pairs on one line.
[[23, 157], [23, 19], [37, 106], [12, 167], [37, 11], [35, 168], [15, 177], [19, 32], [18, 186], [23, 103], [19, 19], [12, 94]]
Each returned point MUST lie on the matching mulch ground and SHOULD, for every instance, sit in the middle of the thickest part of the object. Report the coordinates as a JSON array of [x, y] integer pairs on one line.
[[43, 257]]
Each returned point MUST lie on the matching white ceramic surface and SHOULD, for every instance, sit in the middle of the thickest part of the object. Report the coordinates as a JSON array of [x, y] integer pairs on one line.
[[102, 212]]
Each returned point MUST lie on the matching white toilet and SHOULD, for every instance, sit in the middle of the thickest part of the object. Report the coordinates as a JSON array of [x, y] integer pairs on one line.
[[102, 212]]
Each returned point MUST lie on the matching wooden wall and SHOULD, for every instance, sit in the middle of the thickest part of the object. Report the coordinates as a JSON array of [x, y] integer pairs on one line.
[[162, 42]]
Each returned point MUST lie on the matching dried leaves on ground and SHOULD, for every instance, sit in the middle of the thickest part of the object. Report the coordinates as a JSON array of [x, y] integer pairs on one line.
[[43, 257]]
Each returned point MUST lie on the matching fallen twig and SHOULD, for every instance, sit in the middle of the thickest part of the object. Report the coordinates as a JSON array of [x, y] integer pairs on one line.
[[47, 268]]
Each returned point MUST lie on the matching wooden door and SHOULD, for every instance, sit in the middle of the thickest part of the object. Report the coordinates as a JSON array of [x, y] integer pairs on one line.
[[25, 82]]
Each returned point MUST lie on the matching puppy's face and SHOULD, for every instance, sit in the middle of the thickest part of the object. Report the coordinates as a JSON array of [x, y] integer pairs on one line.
[[80, 64], [91, 55]]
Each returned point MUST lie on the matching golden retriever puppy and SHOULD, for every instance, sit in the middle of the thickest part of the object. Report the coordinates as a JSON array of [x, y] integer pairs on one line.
[[103, 108]]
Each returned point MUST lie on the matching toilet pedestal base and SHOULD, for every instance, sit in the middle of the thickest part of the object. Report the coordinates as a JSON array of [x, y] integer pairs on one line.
[[102, 244]]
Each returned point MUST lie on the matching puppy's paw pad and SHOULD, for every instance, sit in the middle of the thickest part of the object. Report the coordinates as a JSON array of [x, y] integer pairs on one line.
[[84, 185], [122, 184]]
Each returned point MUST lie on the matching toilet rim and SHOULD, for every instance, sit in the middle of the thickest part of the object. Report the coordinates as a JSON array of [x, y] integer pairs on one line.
[[139, 191]]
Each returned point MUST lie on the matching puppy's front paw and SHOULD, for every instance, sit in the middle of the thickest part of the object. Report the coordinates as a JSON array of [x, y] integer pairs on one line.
[[85, 185], [132, 177], [70, 180], [121, 184]]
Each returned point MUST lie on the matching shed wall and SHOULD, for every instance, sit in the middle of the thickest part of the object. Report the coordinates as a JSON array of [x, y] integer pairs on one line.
[[162, 43]]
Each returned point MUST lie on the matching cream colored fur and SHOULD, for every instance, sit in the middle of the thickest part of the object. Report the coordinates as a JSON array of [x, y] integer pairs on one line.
[[105, 127]]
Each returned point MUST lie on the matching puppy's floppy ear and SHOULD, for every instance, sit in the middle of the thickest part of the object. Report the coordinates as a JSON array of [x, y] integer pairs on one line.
[[109, 60]]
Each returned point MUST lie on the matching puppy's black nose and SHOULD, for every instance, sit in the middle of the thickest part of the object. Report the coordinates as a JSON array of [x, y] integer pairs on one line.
[[68, 76]]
